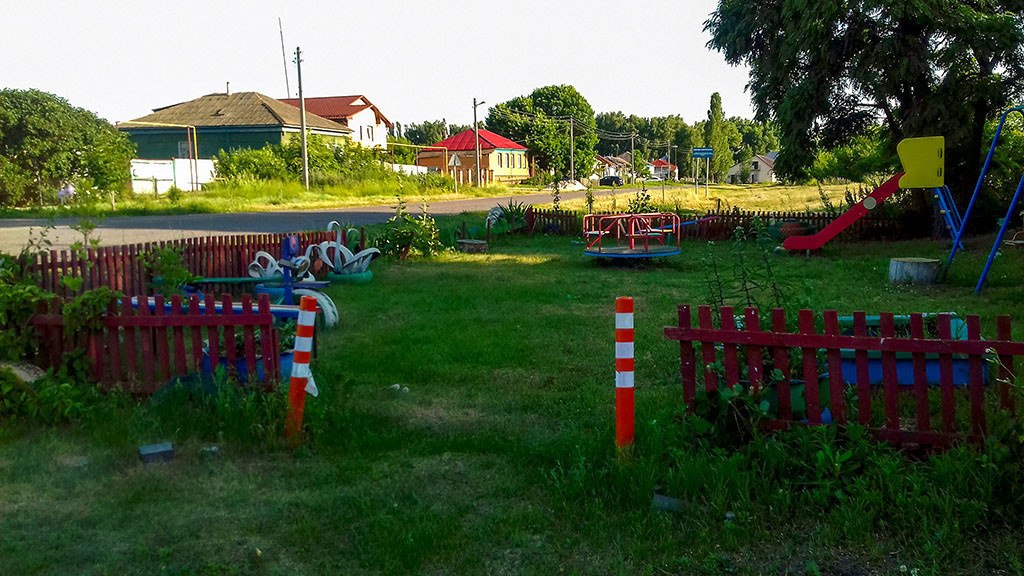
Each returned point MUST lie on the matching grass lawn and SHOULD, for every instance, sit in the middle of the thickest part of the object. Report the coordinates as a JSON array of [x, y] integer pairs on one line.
[[727, 196], [499, 459]]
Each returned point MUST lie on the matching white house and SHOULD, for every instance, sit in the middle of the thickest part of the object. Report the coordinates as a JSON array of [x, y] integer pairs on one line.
[[369, 126], [609, 166], [762, 169]]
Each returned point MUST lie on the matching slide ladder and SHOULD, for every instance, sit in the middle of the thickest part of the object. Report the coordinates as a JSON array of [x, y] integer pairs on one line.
[[950, 213]]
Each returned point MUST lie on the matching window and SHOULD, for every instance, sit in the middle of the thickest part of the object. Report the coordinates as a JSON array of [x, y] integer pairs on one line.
[[183, 149], [499, 159], [369, 132], [755, 165], [360, 132]]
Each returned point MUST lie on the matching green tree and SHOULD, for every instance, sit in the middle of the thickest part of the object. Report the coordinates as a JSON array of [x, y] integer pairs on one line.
[[427, 132], [401, 154], [44, 140], [827, 70], [717, 135], [541, 121]]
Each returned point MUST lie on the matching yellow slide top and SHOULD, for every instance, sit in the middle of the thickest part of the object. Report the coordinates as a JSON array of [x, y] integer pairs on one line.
[[924, 162]]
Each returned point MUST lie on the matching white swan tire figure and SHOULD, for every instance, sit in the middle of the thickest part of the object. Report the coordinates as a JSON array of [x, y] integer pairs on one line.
[[324, 302]]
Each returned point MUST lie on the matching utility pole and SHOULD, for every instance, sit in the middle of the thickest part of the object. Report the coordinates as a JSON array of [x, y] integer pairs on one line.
[[572, 150], [476, 133], [302, 121], [284, 60], [632, 160]]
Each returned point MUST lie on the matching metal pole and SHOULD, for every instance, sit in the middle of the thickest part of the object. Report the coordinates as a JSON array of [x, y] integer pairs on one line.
[[572, 151], [302, 122], [476, 133], [284, 60], [632, 159]]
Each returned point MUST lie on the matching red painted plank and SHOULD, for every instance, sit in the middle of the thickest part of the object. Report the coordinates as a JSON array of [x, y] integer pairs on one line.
[[810, 370], [755, 359], [946, 378], [160, 337], [180, 368], [976, 382], [707, 350], [268, 346], [113, 346], [836, 386], [196, 333], [687, 361], [212, 334], [131, 363], [920, 377], [890, 383], [147, 358], [229, 336], [730, 357], [1007, 370], [249, 341], [780, 356]]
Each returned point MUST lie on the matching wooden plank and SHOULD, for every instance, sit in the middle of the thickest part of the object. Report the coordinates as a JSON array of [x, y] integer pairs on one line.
[[730, 357], [946, 378], [268, 346], [131, 363], [196, 333], [113, 335], [687, 361], [212, 335], [755, 358], [780, 356], [809, 360], [976, 380], [707, 350], [160, 337], [923, 406], [249, 342], [836, 386], [860, 329], [180, 364], [229, 336], [1007, 370], [890, 384], [147, 358]]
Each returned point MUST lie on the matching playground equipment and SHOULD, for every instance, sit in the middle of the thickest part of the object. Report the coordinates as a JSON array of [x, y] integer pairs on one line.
[[923, 162], [636, 235], [974, 197], [345, 266]]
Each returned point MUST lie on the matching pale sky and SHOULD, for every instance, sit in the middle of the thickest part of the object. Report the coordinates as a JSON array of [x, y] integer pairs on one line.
[[416, 59]]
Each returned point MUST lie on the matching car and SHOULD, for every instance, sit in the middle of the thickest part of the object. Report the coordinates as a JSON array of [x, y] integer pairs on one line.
[[611, 181]]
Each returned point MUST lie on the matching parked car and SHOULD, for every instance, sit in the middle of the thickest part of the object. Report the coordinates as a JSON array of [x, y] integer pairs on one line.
[[611, 181]]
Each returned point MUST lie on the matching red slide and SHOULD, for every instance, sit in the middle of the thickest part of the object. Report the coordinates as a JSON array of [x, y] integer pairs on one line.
[[870, 202]]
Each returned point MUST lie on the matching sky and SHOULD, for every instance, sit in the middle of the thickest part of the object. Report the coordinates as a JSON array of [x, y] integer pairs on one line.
[[415, 59]]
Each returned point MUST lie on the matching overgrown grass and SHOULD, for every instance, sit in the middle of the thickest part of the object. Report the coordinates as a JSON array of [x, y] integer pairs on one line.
[[499, 458], [726, 196], [263, 196]]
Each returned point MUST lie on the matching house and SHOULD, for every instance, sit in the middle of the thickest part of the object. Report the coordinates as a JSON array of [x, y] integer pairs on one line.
[[222, 122], [501, 160], [663, 170], [369, 126], [610, 166], [761, 168]]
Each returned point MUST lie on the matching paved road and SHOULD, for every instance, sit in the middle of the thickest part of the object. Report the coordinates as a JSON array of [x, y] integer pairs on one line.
[[131, 229]]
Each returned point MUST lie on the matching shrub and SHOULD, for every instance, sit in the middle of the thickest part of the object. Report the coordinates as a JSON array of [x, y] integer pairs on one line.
[[264, 163], [404, 234]]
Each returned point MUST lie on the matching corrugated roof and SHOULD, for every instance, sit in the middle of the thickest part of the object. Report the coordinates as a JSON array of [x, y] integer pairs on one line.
[[339, 108], [238, 109], [465, 141], [661, 163]]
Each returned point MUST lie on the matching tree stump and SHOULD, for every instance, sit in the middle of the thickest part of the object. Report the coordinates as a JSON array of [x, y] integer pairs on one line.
[[472, 246], [914, 270]]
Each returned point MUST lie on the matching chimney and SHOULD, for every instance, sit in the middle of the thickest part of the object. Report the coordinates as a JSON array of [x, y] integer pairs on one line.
[[227, 88]]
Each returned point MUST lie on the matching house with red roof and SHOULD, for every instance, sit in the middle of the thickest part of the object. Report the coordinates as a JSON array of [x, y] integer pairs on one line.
[[501, 159], [369, 126], [664, 170]]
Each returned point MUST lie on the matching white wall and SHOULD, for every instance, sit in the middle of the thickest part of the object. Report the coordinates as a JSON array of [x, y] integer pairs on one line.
[[409, 169], [157, 176], [366, 131]]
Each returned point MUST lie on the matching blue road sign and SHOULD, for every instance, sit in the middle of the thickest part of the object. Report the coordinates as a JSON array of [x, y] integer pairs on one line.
[[703, 152]]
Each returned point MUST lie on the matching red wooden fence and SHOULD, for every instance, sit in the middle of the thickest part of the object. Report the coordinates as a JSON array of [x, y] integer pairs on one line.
[[140, 350], [737, 351], [123, 268], [726, 221]]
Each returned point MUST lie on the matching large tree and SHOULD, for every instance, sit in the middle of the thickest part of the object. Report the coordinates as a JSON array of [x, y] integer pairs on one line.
[[44, 141], [541, 121], [827, 70], [721, 136]]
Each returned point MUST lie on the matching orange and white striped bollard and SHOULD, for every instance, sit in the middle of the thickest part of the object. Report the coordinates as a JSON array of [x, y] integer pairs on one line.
[[301, 381], [624, 404]]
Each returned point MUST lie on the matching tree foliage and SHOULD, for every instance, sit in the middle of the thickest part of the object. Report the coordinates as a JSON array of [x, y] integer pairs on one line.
[[44, 141], [541, 121], [825, 71], [721, 136]]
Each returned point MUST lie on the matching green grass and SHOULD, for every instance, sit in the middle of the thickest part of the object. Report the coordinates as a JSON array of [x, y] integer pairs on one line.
[[261, 196], [499, 459]]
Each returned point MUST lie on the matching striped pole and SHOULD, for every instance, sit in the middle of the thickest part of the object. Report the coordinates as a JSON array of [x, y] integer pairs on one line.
[[624, 421], [302, 378]]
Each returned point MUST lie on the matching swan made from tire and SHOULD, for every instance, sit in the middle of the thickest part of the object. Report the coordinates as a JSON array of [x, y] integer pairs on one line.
[[266, 266], [339, 258]]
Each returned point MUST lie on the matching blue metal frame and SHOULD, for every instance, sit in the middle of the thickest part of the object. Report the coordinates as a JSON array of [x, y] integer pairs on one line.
[[974, 197]]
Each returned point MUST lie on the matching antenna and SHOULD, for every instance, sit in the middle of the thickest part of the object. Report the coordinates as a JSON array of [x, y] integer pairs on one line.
[[284, 59]]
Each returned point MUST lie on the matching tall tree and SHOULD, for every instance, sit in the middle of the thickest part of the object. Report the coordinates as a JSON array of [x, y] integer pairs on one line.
[[541, 122], [717, 135], [45, 140], [430, 131], [827, 70]]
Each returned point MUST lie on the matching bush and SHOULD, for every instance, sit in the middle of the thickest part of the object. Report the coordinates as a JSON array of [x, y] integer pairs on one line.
[[404, 234], [247, 164]]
